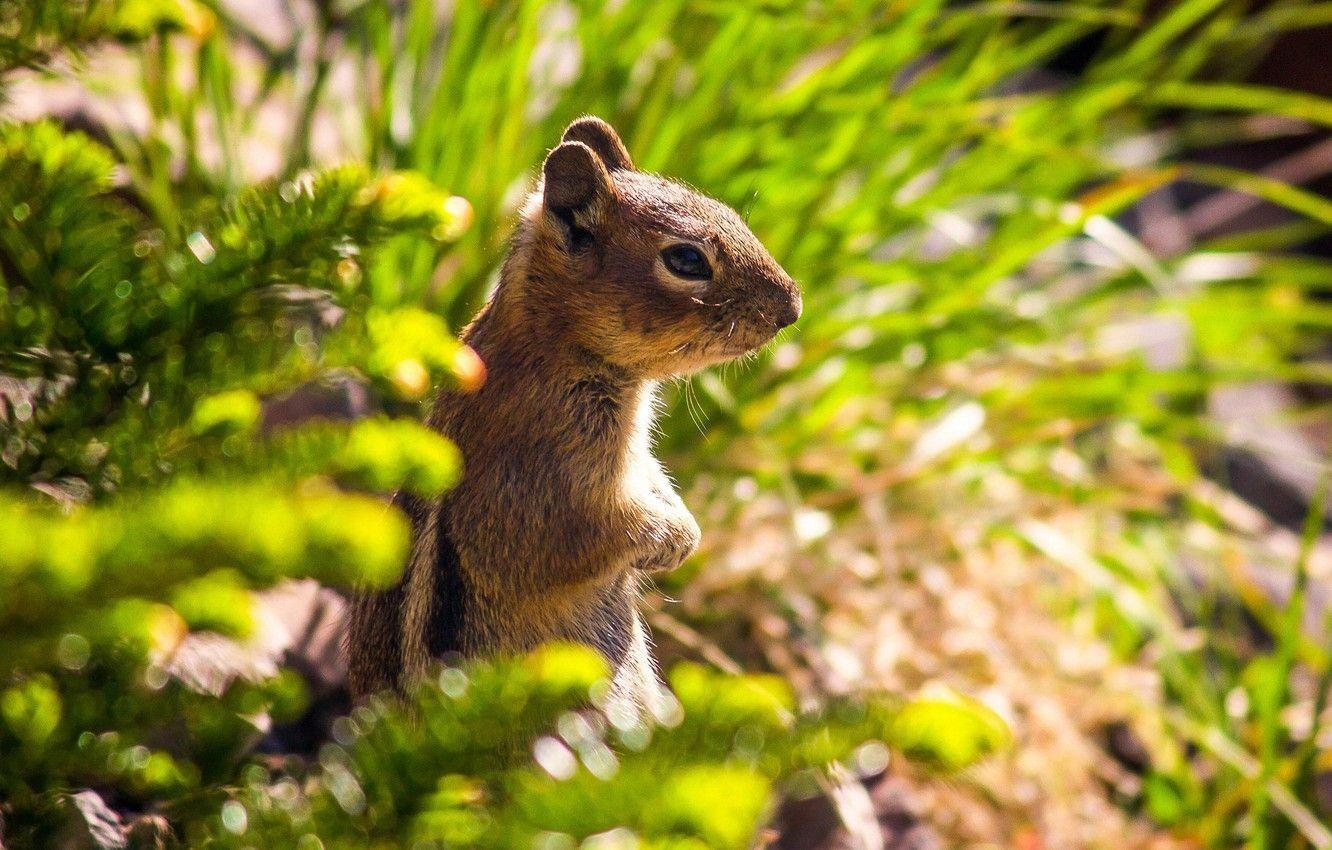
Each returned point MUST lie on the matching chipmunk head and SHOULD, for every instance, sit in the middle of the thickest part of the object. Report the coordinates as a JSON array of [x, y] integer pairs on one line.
[[643, 271]]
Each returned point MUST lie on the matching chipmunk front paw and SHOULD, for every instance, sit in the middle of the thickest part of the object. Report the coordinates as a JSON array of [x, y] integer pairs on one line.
[[678, 543]]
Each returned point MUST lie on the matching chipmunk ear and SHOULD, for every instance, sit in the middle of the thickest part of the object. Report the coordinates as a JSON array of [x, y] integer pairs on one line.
[[601, 138], [576, 190]]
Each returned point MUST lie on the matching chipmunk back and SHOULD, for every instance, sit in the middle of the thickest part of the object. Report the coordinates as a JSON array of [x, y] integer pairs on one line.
[[615, 279]]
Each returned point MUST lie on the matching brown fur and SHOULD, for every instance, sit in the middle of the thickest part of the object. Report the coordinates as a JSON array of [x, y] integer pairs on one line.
[[562, 504]]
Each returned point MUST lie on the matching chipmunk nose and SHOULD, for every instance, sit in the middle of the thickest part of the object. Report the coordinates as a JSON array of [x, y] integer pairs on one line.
[[790, 309]]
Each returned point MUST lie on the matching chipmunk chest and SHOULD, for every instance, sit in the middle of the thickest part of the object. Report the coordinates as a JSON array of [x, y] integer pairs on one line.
[[638, 478]]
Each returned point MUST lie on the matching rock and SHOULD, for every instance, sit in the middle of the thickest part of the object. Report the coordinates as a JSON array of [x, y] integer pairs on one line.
[[1270, 462], [814, 824], [150, 832], [91, 824]]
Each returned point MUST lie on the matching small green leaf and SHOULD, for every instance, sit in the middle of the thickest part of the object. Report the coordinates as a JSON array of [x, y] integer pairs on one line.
[[690, 803], [32, 710], [393, 454], [218, 602], [567, 667], [1164, 801], [949, 731], [235, 411]]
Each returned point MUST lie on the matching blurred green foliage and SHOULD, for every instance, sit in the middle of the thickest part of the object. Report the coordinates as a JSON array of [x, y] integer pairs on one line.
[[590, 773], [961, 224]]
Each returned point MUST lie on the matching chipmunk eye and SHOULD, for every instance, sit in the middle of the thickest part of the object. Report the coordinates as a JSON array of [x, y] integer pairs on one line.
[[687, 261]]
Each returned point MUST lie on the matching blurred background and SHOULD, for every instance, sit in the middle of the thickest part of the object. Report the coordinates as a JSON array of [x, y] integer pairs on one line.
[[1050, 438]]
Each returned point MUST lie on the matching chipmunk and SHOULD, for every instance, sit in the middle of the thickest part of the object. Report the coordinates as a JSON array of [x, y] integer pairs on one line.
[[615, 280]]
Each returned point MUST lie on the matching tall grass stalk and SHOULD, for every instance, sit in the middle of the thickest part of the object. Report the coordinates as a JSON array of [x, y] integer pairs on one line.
[[1273, 696]]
